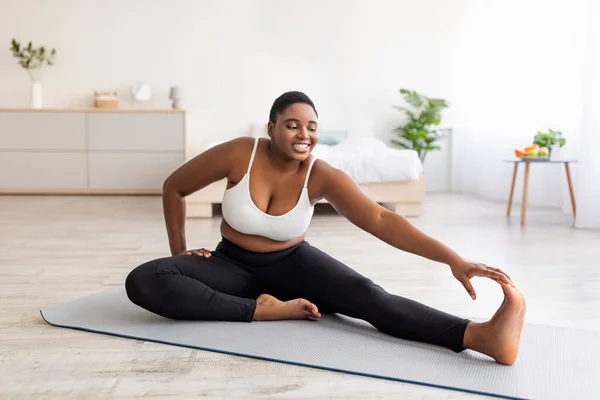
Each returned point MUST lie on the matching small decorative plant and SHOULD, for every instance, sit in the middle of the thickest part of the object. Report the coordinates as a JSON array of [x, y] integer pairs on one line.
[[542, 145], [419, 132], [549, 139], [32, 58]]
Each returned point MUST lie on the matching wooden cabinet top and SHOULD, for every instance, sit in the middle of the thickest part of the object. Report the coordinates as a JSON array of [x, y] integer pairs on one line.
[[96, 110]]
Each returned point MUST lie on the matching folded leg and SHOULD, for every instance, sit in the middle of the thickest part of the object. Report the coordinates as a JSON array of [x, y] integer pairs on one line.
[[194, 287]]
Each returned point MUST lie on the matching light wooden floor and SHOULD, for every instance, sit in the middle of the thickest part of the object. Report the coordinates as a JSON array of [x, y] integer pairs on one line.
[[55, 249]]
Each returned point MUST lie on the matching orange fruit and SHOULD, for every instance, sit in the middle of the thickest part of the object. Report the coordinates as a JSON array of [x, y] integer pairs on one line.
[[532, 147], [520, 153]]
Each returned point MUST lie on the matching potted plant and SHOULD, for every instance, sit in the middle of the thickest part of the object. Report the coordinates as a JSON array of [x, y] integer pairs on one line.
[[547, 140], [419, 132], [32, 60]]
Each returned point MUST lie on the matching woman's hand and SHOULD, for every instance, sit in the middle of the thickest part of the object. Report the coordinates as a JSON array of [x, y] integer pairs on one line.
[[199, 252], [464, 270]]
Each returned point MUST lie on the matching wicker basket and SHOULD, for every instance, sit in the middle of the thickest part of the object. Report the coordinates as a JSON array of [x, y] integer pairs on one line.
[[106, 100]]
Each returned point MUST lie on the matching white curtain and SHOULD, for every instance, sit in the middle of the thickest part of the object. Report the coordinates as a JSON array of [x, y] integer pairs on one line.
[[588, 193], [520, 67]]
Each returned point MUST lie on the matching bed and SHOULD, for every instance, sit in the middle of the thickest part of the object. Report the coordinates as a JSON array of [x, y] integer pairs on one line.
[[390, 176]]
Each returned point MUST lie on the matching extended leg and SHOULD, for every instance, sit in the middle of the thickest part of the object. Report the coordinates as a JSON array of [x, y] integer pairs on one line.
[[194, 287], [334, 287]]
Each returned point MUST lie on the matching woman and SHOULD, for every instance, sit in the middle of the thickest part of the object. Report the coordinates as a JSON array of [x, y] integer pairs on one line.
[[263, 269]]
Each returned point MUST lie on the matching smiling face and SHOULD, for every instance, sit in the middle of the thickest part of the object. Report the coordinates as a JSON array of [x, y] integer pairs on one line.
[[294, 132]]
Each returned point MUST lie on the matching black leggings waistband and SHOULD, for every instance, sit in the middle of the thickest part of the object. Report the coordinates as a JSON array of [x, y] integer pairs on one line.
[[251, 258]]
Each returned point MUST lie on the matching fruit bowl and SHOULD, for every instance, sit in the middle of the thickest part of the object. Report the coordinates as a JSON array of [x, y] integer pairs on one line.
[[533, 153]]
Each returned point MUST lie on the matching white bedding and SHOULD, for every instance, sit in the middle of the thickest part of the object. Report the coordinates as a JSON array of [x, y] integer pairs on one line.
[[367, 159], [370, 160]]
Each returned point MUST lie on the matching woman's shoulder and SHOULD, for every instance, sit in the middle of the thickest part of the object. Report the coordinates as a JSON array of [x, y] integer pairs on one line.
[[323, 173], [320, 167], [243, 141], [241, 145]]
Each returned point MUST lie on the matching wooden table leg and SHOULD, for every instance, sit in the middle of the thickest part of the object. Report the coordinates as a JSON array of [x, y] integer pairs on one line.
[[512, 190], [525, 184], [571, 188]]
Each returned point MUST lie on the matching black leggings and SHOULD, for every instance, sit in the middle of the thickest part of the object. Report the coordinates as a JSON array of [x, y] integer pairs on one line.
[[225, 287]]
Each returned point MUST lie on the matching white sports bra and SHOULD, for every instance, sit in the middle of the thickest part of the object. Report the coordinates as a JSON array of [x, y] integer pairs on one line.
[[240, 212]]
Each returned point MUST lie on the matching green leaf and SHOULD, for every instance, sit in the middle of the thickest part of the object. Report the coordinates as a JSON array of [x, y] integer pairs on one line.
[[430, 117], [412, 97], [429, 148], [15, 46], [440, 103]]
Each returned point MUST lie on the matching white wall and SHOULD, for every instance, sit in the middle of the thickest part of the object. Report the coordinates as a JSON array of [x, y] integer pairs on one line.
[[518, 68], [508, 68], [233, 58]]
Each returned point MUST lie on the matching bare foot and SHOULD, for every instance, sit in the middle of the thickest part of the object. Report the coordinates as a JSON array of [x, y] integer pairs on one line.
[[499, 337], [267, 299], [269, 308]]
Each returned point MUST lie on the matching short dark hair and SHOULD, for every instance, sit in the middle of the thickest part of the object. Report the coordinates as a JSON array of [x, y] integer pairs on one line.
[[287, 99]]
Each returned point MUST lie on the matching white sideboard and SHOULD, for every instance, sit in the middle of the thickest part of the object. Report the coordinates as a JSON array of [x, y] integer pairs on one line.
[[84, 151]]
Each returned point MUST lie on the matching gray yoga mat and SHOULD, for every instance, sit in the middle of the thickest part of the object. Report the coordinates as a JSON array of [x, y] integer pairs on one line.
[[554, 363]]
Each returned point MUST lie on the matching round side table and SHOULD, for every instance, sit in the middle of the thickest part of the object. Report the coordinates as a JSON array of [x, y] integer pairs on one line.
[[527, 163]]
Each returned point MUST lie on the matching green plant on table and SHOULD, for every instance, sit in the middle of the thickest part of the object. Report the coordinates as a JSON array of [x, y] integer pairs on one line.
[[549, 139], [419, 132]]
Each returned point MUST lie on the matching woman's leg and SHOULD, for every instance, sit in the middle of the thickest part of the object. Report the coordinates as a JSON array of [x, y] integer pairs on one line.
[[194, 287], [334, 287], [214, 288]]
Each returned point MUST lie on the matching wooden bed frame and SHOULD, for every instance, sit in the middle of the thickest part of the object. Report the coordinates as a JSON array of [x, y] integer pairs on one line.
[[406, 197]]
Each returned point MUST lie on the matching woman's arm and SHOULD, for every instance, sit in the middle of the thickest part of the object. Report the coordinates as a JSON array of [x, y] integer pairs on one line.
[[349, 200], [210, 166]]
